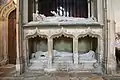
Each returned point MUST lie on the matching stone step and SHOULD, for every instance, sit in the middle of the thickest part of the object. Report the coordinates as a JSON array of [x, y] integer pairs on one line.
[[13, 73], [7, 70], [1, 73]]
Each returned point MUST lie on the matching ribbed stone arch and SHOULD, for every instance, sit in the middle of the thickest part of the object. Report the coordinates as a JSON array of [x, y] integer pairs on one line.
[[90, 34], [100, 43], [35, 35], [5, 10], [61, 32]]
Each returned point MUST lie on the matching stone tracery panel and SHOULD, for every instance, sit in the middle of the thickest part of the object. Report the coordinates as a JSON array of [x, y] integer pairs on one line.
[[31, 33], [62, 31]]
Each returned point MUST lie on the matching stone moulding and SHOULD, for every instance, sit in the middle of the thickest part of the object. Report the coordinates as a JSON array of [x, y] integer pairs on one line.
[[7, 8], [51, 33]]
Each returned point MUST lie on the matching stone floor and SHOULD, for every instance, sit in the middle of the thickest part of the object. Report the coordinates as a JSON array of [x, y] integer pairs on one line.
[[58, 76]]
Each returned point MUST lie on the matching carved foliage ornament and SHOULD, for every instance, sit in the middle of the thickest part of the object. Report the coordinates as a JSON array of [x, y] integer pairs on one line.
[[52, 33], [33, 33], [5, 10], [62, 31], [91, 32]]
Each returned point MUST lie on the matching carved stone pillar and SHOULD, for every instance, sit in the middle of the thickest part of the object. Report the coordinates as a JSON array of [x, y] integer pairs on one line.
[[101, 54], [5, 40], [111, 59], [50, 52], [102, 49], [18, 41], [75, 50], [0, 39], [1, 43], [25, 54]]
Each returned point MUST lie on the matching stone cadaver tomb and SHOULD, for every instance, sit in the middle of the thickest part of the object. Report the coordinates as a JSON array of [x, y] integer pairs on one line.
[[63, 43]]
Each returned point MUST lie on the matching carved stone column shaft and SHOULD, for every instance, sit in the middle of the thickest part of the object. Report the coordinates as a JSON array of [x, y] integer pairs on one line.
[[50, 51], [75, 50], [111, 60], [5, 40], [1, 54], [25, 53]]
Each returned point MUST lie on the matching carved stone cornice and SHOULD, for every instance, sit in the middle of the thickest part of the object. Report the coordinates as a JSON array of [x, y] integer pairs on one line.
[[62, 31], [31, 33], [52, 33], [91, 32]]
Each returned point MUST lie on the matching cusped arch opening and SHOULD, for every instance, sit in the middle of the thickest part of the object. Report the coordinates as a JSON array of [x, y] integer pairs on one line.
[[88, 51], [34, 36], [63, 43], [87, 43], [62, 34], [63, 50], [37, 45]]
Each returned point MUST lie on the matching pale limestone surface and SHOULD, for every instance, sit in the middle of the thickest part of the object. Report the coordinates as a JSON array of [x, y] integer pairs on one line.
[[116, 8], [58, 76], [63, 60]]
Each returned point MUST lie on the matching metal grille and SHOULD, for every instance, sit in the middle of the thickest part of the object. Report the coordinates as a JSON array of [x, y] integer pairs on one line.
[[68, 8]]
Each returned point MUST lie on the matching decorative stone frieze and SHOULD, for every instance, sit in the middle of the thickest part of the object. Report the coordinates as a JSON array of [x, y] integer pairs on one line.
[[63, 31]]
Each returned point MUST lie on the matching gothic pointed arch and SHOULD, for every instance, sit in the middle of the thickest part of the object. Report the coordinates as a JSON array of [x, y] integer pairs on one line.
[[7, 8], [5, 11]]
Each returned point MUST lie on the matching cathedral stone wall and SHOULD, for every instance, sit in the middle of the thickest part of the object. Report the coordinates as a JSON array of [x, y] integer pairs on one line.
[[111, 17], [116, 9]]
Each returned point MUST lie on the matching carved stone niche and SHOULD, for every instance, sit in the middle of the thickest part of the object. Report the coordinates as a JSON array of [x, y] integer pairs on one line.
[[73, 31]]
